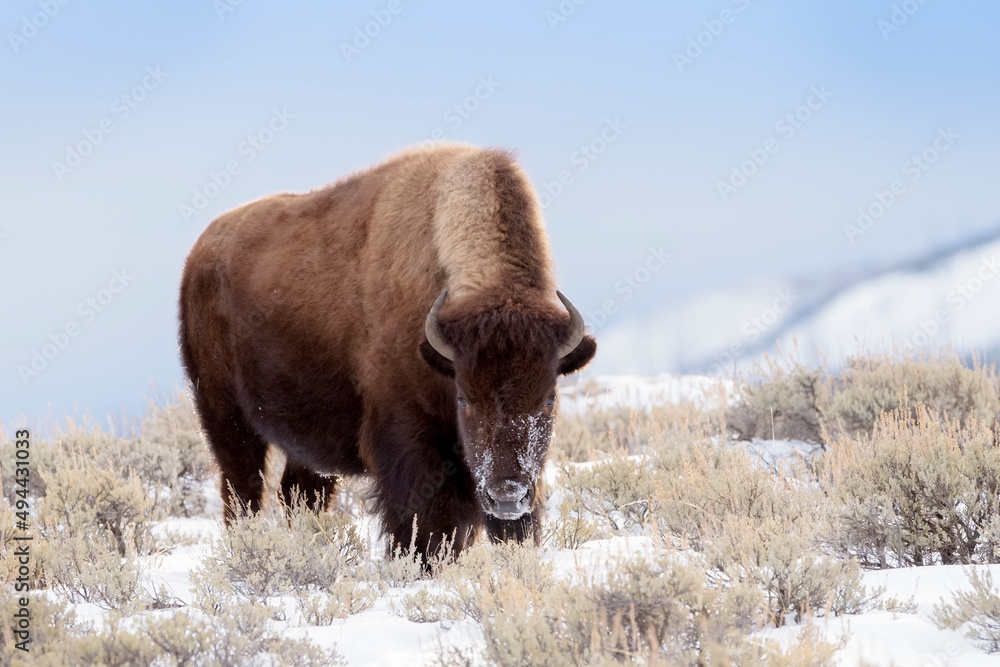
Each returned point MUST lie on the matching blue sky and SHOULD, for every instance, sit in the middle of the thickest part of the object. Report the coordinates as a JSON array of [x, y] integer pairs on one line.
[[554, 86]]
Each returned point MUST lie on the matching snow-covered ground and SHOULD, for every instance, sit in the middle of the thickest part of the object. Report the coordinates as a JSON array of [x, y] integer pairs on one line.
[[378, 636], [638, 392], [886, 639]]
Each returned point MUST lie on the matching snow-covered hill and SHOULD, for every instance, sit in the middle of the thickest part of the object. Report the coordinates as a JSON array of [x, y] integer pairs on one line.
[[949, 299]]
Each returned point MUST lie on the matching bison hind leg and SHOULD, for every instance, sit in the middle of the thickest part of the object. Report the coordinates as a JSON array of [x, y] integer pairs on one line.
[[302, 484], [241, 455]]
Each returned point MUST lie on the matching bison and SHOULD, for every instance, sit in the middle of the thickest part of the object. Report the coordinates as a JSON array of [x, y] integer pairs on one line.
[[402, 323]]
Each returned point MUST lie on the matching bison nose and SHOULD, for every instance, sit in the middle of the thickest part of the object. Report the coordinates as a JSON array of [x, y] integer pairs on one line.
[[508, 500]]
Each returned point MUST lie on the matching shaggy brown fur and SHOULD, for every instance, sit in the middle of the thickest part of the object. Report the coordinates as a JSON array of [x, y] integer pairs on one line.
[[302, 324]]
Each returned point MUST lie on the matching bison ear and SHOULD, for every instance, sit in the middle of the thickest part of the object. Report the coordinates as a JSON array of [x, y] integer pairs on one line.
[[436, 360], [579, 357]]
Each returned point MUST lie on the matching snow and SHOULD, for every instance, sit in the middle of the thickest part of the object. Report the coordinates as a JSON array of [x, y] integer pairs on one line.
[[378, 636], [882, 638], [641, 393]]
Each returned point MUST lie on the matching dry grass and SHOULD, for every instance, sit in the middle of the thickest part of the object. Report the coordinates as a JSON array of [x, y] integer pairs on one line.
[[976, 612]]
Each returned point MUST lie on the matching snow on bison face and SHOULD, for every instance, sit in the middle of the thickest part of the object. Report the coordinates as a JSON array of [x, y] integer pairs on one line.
[[505, 366], [505, 432]]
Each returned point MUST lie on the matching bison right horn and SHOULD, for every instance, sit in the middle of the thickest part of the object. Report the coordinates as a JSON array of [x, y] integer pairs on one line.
[[575, 326], [432, 329]]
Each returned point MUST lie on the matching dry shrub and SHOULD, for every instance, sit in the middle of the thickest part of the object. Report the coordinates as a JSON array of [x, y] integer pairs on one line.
[[164, 450], [268, 553], [975, 612], [82, 497], [53, 627], [869, 386], [919, 491], [619, 490], [339, 600], [797, 578], [424, 606], [171, 429], [642, 612], [757, 527], [93, 524], [666, 605], [42, 455], [809, 650], [784, 403], [788, 401], [485, 570], [572, 527], [237, 636], [704, 481], [683, 486], [85, 568], [9, 562], [594, 434], [403, 565], [240, 636]]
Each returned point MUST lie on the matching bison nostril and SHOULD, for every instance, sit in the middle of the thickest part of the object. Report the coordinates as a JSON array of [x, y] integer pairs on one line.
[[508, 500]]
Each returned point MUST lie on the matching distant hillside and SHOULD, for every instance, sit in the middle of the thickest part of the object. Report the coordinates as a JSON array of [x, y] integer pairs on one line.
[[948, 298]]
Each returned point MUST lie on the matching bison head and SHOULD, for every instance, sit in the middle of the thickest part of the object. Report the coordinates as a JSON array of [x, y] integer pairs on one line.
[[505, 361]]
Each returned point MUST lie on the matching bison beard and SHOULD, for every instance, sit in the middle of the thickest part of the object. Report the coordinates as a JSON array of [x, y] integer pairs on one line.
[[401, 323]]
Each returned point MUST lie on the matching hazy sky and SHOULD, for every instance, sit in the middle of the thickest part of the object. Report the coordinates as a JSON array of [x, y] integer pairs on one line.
[[115, 117]]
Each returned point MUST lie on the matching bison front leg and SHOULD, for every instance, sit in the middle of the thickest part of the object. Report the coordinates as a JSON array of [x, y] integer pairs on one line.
[[301, 484], [420, 481], [436, 500]]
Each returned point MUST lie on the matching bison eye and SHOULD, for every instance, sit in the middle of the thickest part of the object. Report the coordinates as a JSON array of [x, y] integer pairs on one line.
[[461, 402], [551, 402]]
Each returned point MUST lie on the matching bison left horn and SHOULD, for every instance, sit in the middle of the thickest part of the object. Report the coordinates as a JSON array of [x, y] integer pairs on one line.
[[575, 326], [432, 329]]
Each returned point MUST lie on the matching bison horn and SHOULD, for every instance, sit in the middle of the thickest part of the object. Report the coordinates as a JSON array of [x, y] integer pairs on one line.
[[432, 329], [575, 326]]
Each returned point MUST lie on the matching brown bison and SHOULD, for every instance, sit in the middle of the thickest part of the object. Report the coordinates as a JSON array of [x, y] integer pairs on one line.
[[401, 323]]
